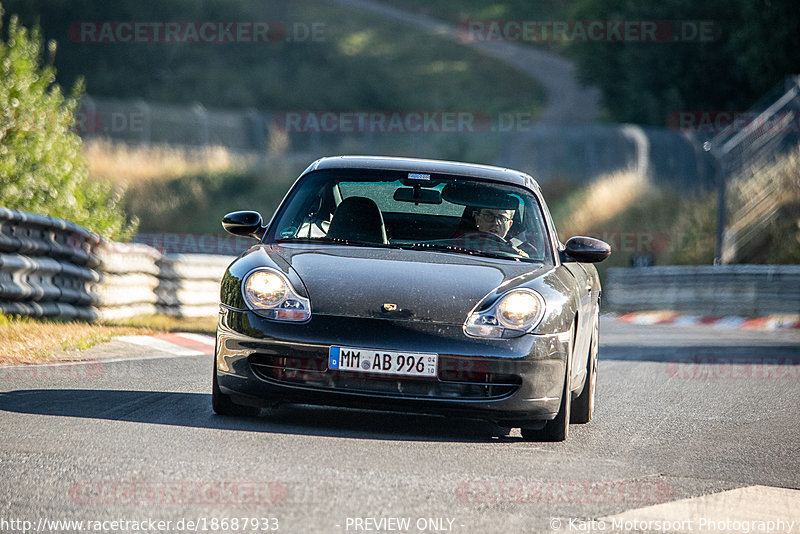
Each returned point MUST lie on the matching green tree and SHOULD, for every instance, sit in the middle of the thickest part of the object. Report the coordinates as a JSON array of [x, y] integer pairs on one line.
[[753, 45], [42, 165]]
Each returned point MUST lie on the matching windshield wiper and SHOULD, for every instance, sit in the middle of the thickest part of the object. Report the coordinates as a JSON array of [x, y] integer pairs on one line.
[[453, 249], [433, 247], [329, 241]]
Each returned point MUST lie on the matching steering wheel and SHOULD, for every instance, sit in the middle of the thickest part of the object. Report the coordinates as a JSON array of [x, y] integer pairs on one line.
[[480, 236]]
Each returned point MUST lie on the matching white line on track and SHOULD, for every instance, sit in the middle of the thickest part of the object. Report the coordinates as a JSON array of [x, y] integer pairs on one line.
[[159, 344], [102, 361]]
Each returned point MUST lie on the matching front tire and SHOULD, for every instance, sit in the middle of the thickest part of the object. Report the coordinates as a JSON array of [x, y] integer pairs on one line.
[[222, 403], [557, 429], [583, 406]]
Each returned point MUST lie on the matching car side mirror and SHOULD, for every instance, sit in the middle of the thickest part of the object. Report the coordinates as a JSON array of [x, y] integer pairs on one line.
[[586, 249], [244, 223]]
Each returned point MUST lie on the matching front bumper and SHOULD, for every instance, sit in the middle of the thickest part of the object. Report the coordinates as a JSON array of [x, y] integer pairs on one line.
[[265, 363]]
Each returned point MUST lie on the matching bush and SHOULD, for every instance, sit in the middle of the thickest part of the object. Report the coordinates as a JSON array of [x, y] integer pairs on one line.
[[42, 166]]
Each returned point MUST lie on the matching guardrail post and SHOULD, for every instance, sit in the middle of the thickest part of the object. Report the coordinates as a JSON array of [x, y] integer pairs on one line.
[[146, 122], [201, 116]]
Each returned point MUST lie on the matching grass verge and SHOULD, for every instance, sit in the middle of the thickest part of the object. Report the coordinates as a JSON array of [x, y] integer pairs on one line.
[[27, 341]]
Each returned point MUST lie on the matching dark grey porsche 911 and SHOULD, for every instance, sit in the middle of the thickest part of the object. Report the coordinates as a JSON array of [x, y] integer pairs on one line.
[[412, 285]]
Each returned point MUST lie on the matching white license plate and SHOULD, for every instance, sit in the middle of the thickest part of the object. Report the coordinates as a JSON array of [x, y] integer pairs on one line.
[[383, 362]]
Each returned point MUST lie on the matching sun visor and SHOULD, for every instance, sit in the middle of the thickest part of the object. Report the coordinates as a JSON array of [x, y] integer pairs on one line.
[[479, 196]]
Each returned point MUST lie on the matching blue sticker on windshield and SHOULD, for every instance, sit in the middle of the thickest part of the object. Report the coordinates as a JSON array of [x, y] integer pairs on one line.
[[288, 232], [418, 176]]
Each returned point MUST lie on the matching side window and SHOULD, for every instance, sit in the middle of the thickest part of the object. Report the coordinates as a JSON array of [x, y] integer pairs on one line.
[[536, 233], [317, 214], [550, 221]]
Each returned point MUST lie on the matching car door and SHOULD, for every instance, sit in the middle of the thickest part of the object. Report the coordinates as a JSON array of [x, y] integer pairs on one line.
[[582, 286]]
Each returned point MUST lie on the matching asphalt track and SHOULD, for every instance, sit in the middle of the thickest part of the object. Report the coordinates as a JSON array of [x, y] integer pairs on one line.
[[682, 413]]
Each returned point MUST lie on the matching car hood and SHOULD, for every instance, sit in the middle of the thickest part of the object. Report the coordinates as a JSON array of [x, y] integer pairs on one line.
[[424, 286]]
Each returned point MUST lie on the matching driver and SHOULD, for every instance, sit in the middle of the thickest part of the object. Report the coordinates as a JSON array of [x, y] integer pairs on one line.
[[496, 222], [491, 221]]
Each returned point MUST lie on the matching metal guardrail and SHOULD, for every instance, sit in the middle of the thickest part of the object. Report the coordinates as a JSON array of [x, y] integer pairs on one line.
[[51, 267], [189, 284], [139, 280], [130, 276], [743, 290], [47, 266], [751, 196], [41, 235]]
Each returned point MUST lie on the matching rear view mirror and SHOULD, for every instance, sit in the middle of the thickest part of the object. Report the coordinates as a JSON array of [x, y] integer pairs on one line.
[[587, 249], [244, 223], [418, 195]]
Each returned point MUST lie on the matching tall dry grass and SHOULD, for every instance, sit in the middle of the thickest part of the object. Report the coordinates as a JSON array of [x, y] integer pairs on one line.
[[780, 240], [683, 224], [603, 200], [125, 164], [24, 340]]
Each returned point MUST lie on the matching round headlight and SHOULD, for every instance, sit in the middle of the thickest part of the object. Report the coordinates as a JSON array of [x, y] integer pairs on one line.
[[265, 289], [519, 309]]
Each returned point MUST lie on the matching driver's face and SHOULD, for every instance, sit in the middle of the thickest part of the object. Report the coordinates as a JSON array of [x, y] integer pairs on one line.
[[496, 222]]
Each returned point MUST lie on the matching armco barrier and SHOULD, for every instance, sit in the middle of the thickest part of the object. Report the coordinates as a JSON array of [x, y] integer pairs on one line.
[[189, 284], [130, 277], [743, 290], [47, 266], [52, 267], [139, 280]]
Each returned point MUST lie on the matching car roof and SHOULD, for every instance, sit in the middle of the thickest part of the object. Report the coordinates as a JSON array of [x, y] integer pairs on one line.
[[431, 166]]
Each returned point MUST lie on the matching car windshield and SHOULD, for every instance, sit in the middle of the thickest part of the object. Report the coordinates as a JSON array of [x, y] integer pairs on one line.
[[458, 215]]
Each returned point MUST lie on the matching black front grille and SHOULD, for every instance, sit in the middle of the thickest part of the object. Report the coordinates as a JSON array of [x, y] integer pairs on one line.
[[288, 368], [458, 378]]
